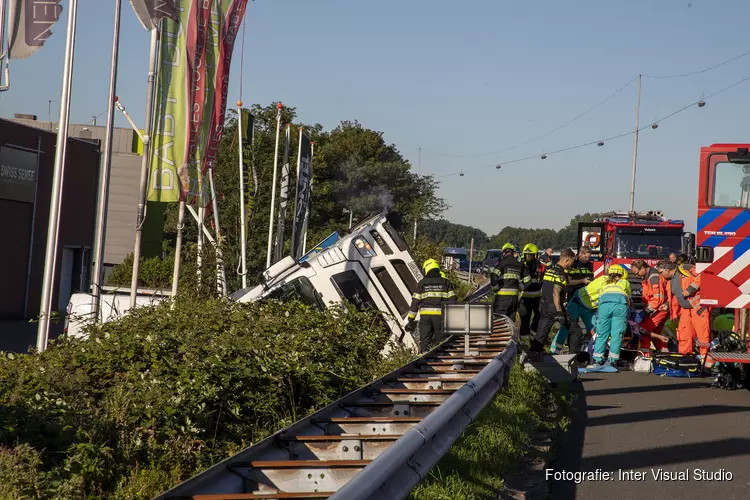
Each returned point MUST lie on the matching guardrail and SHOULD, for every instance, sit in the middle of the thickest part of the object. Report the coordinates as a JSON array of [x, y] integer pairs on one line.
[[377, 442]]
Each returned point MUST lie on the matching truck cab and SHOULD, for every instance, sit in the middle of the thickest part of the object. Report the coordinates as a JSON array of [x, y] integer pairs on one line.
[[371, 267], [622, 237], [723, 229]]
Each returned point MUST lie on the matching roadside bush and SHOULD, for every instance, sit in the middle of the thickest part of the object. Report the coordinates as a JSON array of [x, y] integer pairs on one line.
[[163, 393]]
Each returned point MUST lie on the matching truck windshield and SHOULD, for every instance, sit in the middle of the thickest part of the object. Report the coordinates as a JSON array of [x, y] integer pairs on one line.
[[300, 289], [639, 243]]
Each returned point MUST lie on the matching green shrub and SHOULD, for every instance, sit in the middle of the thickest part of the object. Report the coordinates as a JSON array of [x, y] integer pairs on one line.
[[164, 393]]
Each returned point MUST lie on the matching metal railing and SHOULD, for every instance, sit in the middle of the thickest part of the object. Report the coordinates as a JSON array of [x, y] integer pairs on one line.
[[377, 442]]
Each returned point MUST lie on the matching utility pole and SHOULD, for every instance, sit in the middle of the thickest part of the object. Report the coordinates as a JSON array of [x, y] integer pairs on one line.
[[635, 146]]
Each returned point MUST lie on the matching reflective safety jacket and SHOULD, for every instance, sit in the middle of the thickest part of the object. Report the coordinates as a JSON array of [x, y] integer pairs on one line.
[[621, 287], [506, 277], [654, 293], [432, 292], [532, 279], [685, 279], [589, 295], [554, 277], [578, 271]]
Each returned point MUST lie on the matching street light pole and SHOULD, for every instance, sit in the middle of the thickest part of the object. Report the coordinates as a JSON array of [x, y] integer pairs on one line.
[[635, 146]]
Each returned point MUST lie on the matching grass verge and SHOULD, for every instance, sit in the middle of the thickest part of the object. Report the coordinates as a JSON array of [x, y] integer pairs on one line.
[[496, 444]]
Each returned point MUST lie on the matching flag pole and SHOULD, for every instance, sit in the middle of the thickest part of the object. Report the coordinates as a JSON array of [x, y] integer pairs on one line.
[[178, 250], [279, 107], [309, 205], [243, 208], [221, 276], [57, 181], [283, 194], [101, 209], [140, 216], [199, 258]]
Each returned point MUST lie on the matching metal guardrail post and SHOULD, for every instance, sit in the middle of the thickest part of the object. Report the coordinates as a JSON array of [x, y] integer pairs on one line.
[[397, 470], [467, 324]]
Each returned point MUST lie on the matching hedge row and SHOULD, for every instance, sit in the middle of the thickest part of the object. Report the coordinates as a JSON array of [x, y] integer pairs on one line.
[[161, 394]]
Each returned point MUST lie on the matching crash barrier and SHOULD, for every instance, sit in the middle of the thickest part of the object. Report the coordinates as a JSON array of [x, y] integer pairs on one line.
[[378, 441]]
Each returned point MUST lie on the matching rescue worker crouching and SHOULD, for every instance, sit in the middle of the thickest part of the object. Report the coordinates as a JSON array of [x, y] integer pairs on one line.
[[582, 306], [554, 299], [506, 280], [532, 290], [654, 295], [432, 291]]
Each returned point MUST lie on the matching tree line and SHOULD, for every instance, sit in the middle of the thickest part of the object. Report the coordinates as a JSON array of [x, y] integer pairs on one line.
[[458, 235]]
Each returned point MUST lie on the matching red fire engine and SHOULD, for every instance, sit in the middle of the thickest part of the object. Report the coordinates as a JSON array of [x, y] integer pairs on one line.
[[723, 235], [621, 237]]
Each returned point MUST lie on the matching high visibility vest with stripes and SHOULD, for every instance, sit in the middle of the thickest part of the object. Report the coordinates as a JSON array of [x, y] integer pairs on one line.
[[589, 295], [621, 287]]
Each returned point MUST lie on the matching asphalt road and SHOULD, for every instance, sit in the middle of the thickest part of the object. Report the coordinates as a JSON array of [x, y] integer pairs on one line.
[[632, 421]]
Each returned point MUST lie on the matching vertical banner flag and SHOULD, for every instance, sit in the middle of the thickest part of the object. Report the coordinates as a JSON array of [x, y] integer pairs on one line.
[[30, 25], [302, 199], [195, 52], [283, 195], [249, 176], [150, 12]]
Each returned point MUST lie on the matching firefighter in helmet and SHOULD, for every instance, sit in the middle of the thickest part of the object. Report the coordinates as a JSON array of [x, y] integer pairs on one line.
[[432, 291], [506, 280], [532, 289]]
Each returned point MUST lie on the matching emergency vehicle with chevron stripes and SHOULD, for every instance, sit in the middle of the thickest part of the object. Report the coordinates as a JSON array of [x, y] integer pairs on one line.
[[621, 237], [723, 230]]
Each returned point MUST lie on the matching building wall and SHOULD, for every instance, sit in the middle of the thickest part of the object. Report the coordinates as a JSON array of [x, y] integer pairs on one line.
[[78, 212], [122, 138], [123, 200]]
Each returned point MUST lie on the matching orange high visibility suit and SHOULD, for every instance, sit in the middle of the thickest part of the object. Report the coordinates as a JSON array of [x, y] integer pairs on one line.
[[654, 294], [694, 318]]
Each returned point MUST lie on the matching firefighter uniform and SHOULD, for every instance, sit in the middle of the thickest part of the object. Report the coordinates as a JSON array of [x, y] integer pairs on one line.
[[654, 295], [432, 292], [532, 290], [506, 278], [554, 277], [695, 319]]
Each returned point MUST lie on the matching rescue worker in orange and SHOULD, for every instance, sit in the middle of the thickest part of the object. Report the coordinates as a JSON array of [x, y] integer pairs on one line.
[[684, 297], [654, 295]]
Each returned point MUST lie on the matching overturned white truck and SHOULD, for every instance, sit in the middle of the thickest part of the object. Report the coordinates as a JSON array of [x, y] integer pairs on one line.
[[370, 267]]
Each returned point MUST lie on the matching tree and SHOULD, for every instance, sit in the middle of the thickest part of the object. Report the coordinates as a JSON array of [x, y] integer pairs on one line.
[[353, 168]]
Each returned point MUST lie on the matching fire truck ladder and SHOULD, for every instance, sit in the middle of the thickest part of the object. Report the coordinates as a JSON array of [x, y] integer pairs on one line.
[[377, 442]]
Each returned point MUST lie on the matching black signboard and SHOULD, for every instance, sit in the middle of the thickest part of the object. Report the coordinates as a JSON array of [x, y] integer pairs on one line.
[[18, 174]]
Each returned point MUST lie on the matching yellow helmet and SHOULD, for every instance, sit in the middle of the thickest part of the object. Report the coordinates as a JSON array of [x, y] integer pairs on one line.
[[618, 269], [530, 248], [509, 246], [429, 265]]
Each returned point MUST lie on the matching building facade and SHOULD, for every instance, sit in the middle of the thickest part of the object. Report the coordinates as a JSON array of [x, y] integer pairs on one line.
[[27, 156]]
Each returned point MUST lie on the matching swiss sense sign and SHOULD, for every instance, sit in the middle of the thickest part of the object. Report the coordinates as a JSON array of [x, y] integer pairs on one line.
[[18, 174]]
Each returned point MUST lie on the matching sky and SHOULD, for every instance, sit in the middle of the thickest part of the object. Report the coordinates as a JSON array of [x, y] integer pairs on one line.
[[464, 81]]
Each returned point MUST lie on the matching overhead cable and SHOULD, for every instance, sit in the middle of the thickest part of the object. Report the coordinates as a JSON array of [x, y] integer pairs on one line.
[[569, 122], [704, 70], [598, 141]]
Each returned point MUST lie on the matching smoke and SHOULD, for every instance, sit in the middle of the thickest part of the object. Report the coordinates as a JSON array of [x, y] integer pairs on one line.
[[385, 201]]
